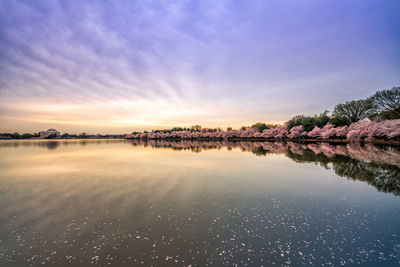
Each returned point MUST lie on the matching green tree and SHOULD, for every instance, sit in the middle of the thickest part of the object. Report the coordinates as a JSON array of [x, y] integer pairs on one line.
[[196, 128], [16, 135], [339, 121], [26, 136], [178, 129], [260, 126], [308, 122], [83, 135]]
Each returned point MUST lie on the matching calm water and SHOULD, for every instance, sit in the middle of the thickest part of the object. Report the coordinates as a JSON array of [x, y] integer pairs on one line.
[[120, 203]]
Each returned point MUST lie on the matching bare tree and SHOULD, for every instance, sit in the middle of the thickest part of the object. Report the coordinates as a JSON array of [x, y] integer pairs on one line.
[[354, 110], [387, 103]]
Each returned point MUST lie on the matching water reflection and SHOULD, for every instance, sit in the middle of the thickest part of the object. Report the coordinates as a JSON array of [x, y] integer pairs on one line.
[[53, 144], [120, 203], [379, 166]]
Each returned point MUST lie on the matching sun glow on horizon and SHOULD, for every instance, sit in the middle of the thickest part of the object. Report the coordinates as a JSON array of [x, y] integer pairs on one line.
[[113, 117]]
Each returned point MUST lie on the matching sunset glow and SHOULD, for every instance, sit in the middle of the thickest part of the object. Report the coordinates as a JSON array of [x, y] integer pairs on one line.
[[140, 65]]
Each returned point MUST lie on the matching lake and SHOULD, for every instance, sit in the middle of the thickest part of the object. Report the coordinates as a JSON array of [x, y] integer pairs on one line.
[[192, 203]]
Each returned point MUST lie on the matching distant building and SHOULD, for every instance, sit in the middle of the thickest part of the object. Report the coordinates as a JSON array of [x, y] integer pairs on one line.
[[50, 133]]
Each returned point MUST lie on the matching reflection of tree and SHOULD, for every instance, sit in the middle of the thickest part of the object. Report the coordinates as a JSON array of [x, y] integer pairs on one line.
[[378, 166], [385, 178], [351, 168], [51, 145], [308, 156], [260, 151]]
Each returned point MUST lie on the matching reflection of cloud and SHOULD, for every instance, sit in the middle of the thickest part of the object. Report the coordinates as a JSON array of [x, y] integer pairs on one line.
[[367, 152], [378, 166]]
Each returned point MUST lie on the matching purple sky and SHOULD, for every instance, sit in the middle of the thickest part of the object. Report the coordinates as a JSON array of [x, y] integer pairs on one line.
[[119, 66]]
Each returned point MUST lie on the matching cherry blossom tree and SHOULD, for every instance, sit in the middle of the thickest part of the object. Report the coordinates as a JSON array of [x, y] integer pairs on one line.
[[328, 131], [296, 132], [358, 131], [315, 133], [281, 132], [341, 132]]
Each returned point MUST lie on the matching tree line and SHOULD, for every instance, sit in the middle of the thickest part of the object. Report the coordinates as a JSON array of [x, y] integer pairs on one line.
[[376, 117], [383, 105]]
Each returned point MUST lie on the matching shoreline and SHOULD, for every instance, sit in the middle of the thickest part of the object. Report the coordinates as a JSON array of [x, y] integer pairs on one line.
[[235, 139], [308, 140], [60, 139]]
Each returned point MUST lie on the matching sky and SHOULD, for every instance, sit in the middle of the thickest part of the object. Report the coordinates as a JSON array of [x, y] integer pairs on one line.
[[123, 66]]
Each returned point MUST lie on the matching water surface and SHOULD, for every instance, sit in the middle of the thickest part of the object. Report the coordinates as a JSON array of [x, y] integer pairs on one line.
[[121, 203]]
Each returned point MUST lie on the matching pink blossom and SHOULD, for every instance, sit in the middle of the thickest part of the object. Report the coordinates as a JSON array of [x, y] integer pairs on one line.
[[315, 133], [281, 132], [296, 132], [248, 133], [341, 131], [385, 129], [268, 133], [388, 129], [328, 131], [359, 130]]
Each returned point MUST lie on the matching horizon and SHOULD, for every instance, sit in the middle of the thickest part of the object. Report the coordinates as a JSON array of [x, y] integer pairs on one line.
[[121, 67]]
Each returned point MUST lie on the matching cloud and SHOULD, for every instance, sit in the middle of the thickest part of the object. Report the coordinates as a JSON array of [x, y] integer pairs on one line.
[[133, 64]]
